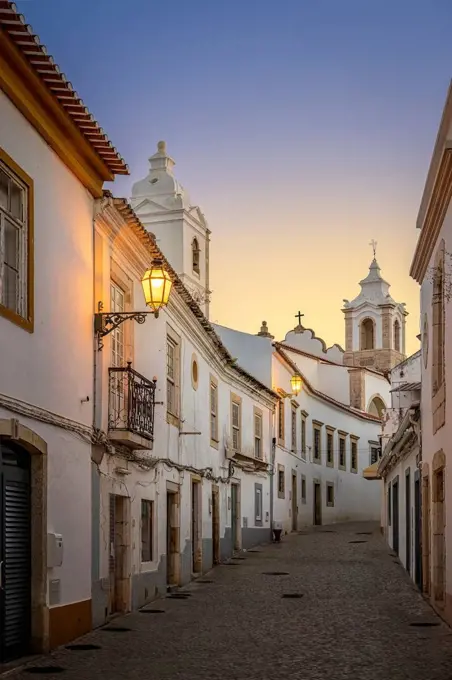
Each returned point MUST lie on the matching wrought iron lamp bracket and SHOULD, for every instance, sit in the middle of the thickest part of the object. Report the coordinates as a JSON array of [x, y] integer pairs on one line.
[[106, 322]]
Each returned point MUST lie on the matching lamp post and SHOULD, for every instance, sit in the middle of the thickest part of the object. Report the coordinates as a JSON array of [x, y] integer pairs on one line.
[[296, 383], [156, 284]]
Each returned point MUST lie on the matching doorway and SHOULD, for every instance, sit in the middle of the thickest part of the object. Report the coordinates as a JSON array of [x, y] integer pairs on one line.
[[439, 552], [172, 537], [408, 521], [215, 525], [426, 534], [417, 532], [395, 516], [118, 563], [235, 517], [196, 528], [294, 502], [15, 552], [317, 504]]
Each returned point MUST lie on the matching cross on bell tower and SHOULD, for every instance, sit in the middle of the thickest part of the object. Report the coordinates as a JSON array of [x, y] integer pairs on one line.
[[373, 243]]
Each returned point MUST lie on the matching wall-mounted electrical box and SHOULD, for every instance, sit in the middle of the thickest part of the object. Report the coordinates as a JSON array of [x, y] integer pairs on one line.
[[54, 550]]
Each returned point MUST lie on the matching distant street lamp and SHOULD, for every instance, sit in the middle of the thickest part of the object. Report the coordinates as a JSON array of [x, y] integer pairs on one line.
[[157, 286], [296, 383]]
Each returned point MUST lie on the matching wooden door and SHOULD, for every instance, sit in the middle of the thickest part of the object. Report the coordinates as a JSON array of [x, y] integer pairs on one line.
[[408, 521], [317, 504], [417, 532], [294, 503], [234, 516], [15, 552], [215, 525], [395, 517]]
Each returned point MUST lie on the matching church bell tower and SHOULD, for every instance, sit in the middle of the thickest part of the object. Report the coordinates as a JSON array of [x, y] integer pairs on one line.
[[180, 228], [374, 325]]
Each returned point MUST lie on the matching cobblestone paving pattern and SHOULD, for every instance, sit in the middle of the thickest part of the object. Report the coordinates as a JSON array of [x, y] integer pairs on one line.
[[353, 621]]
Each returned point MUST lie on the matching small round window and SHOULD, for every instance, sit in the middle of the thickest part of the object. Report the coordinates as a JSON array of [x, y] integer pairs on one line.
[[194, 372]]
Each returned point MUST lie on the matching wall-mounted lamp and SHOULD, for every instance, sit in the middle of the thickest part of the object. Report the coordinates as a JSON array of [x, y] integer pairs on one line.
[[296, 383], [156, 288]]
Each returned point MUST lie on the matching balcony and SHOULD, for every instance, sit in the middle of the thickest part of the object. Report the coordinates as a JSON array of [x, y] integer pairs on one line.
[[131, 406]]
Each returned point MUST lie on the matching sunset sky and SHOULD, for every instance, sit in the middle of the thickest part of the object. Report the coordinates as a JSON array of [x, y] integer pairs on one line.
[[302, 128]]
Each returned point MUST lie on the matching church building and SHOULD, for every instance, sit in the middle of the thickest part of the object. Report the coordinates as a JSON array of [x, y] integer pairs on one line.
[[327, 424]]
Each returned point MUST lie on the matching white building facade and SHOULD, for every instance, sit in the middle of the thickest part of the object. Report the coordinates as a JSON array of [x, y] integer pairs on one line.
[[431, 268], [322, 444], [400, 466], [181, 489], [50, 175]]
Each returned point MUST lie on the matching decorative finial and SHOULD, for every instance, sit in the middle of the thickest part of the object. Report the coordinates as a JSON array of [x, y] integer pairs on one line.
[[373, 243], [161, 148], [264, 332]]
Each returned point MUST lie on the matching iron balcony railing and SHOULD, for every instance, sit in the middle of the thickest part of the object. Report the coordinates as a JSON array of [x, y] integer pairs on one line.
[[131, 402]]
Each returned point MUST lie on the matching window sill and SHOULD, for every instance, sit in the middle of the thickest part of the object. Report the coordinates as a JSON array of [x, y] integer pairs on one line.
[[281, 495], [355, 472], [331, 464], [149, 566], [330, 505], [342, 467], [16, 319], [172, 420], [214, 443], [317, 461]]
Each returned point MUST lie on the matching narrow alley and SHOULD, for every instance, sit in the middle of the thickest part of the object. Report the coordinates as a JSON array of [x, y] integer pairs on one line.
[[359, 616]]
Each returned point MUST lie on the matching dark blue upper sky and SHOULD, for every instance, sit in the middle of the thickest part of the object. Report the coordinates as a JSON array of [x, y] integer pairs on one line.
[[274, 111]]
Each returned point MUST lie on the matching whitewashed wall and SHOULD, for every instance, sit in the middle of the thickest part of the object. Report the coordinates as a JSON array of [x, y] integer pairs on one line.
[[334, 381], [376, 386], [252, 351], [408, 464], [355, 499], [193, 450], [431, 443], [52, 367]]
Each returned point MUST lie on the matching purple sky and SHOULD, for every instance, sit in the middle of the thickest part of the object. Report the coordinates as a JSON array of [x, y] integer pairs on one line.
[[303, 129]]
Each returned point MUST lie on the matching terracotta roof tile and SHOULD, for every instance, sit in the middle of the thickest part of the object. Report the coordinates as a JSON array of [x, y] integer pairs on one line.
[[21, 34]]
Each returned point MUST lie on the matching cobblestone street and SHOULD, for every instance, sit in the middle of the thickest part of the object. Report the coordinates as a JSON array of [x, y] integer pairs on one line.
[[354, 620]]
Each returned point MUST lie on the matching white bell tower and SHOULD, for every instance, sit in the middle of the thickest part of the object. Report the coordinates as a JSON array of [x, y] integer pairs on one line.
[[181, 230], [374, 324]]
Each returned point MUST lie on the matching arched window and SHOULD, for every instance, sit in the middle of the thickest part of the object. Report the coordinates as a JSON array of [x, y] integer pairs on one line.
[[195, 255], [438, 322], [396, 336], [376, 407], [367, 334]]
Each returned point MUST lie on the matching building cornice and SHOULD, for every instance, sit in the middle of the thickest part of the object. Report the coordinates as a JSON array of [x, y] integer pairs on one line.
[[441, 194]]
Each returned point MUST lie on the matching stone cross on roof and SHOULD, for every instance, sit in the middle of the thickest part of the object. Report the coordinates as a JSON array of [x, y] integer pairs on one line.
[[298, 316]]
